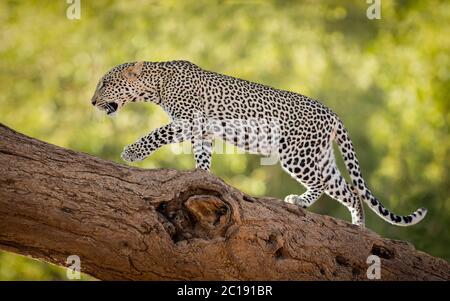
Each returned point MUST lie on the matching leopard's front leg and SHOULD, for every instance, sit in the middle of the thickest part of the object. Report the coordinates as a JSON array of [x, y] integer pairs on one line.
[[202, 151], [171, 133]]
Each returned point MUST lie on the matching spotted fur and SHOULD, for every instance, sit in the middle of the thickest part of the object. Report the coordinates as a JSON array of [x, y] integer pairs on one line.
[[306, 129]]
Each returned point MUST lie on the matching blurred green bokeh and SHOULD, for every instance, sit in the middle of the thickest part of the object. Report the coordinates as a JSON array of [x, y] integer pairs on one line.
[[388, 79]]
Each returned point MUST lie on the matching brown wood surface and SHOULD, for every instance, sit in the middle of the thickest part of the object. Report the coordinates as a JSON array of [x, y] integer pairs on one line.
[[131, 223]]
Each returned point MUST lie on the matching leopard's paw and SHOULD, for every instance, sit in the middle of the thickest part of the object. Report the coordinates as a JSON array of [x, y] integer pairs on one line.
[[132, 154], [296, 200]]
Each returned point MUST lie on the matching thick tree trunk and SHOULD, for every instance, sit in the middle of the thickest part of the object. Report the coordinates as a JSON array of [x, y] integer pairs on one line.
[[131, 223]]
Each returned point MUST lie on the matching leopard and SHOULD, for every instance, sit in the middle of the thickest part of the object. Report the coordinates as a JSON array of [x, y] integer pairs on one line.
[[204, 105]]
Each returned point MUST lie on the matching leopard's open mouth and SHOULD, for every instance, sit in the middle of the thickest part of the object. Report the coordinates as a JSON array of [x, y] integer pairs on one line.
[[109, 107]]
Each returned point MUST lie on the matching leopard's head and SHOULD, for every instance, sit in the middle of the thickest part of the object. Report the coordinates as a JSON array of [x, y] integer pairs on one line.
[[125, 83]]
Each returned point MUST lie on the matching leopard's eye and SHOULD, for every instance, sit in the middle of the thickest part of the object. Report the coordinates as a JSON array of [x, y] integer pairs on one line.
[[101, 84]]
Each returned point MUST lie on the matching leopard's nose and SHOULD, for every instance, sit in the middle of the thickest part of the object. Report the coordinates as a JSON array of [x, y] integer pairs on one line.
[[93, 101]]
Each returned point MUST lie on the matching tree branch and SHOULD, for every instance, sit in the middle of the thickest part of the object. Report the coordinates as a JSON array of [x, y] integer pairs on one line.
[[131, 223]]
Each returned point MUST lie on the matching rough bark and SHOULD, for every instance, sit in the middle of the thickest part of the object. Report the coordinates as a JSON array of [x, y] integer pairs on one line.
[[132, 223]]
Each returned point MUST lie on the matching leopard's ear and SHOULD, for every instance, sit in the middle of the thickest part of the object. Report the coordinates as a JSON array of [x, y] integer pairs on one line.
[[134, 71]]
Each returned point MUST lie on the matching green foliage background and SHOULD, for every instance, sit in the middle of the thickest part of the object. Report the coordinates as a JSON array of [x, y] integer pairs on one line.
[[388, 79]]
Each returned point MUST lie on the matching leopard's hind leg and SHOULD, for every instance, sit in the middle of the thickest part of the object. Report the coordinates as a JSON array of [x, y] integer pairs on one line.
[[340, 190], [307, 172], [320, 174]]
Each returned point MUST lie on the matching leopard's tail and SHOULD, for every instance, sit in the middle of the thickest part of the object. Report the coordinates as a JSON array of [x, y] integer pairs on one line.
[[346, 147]]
